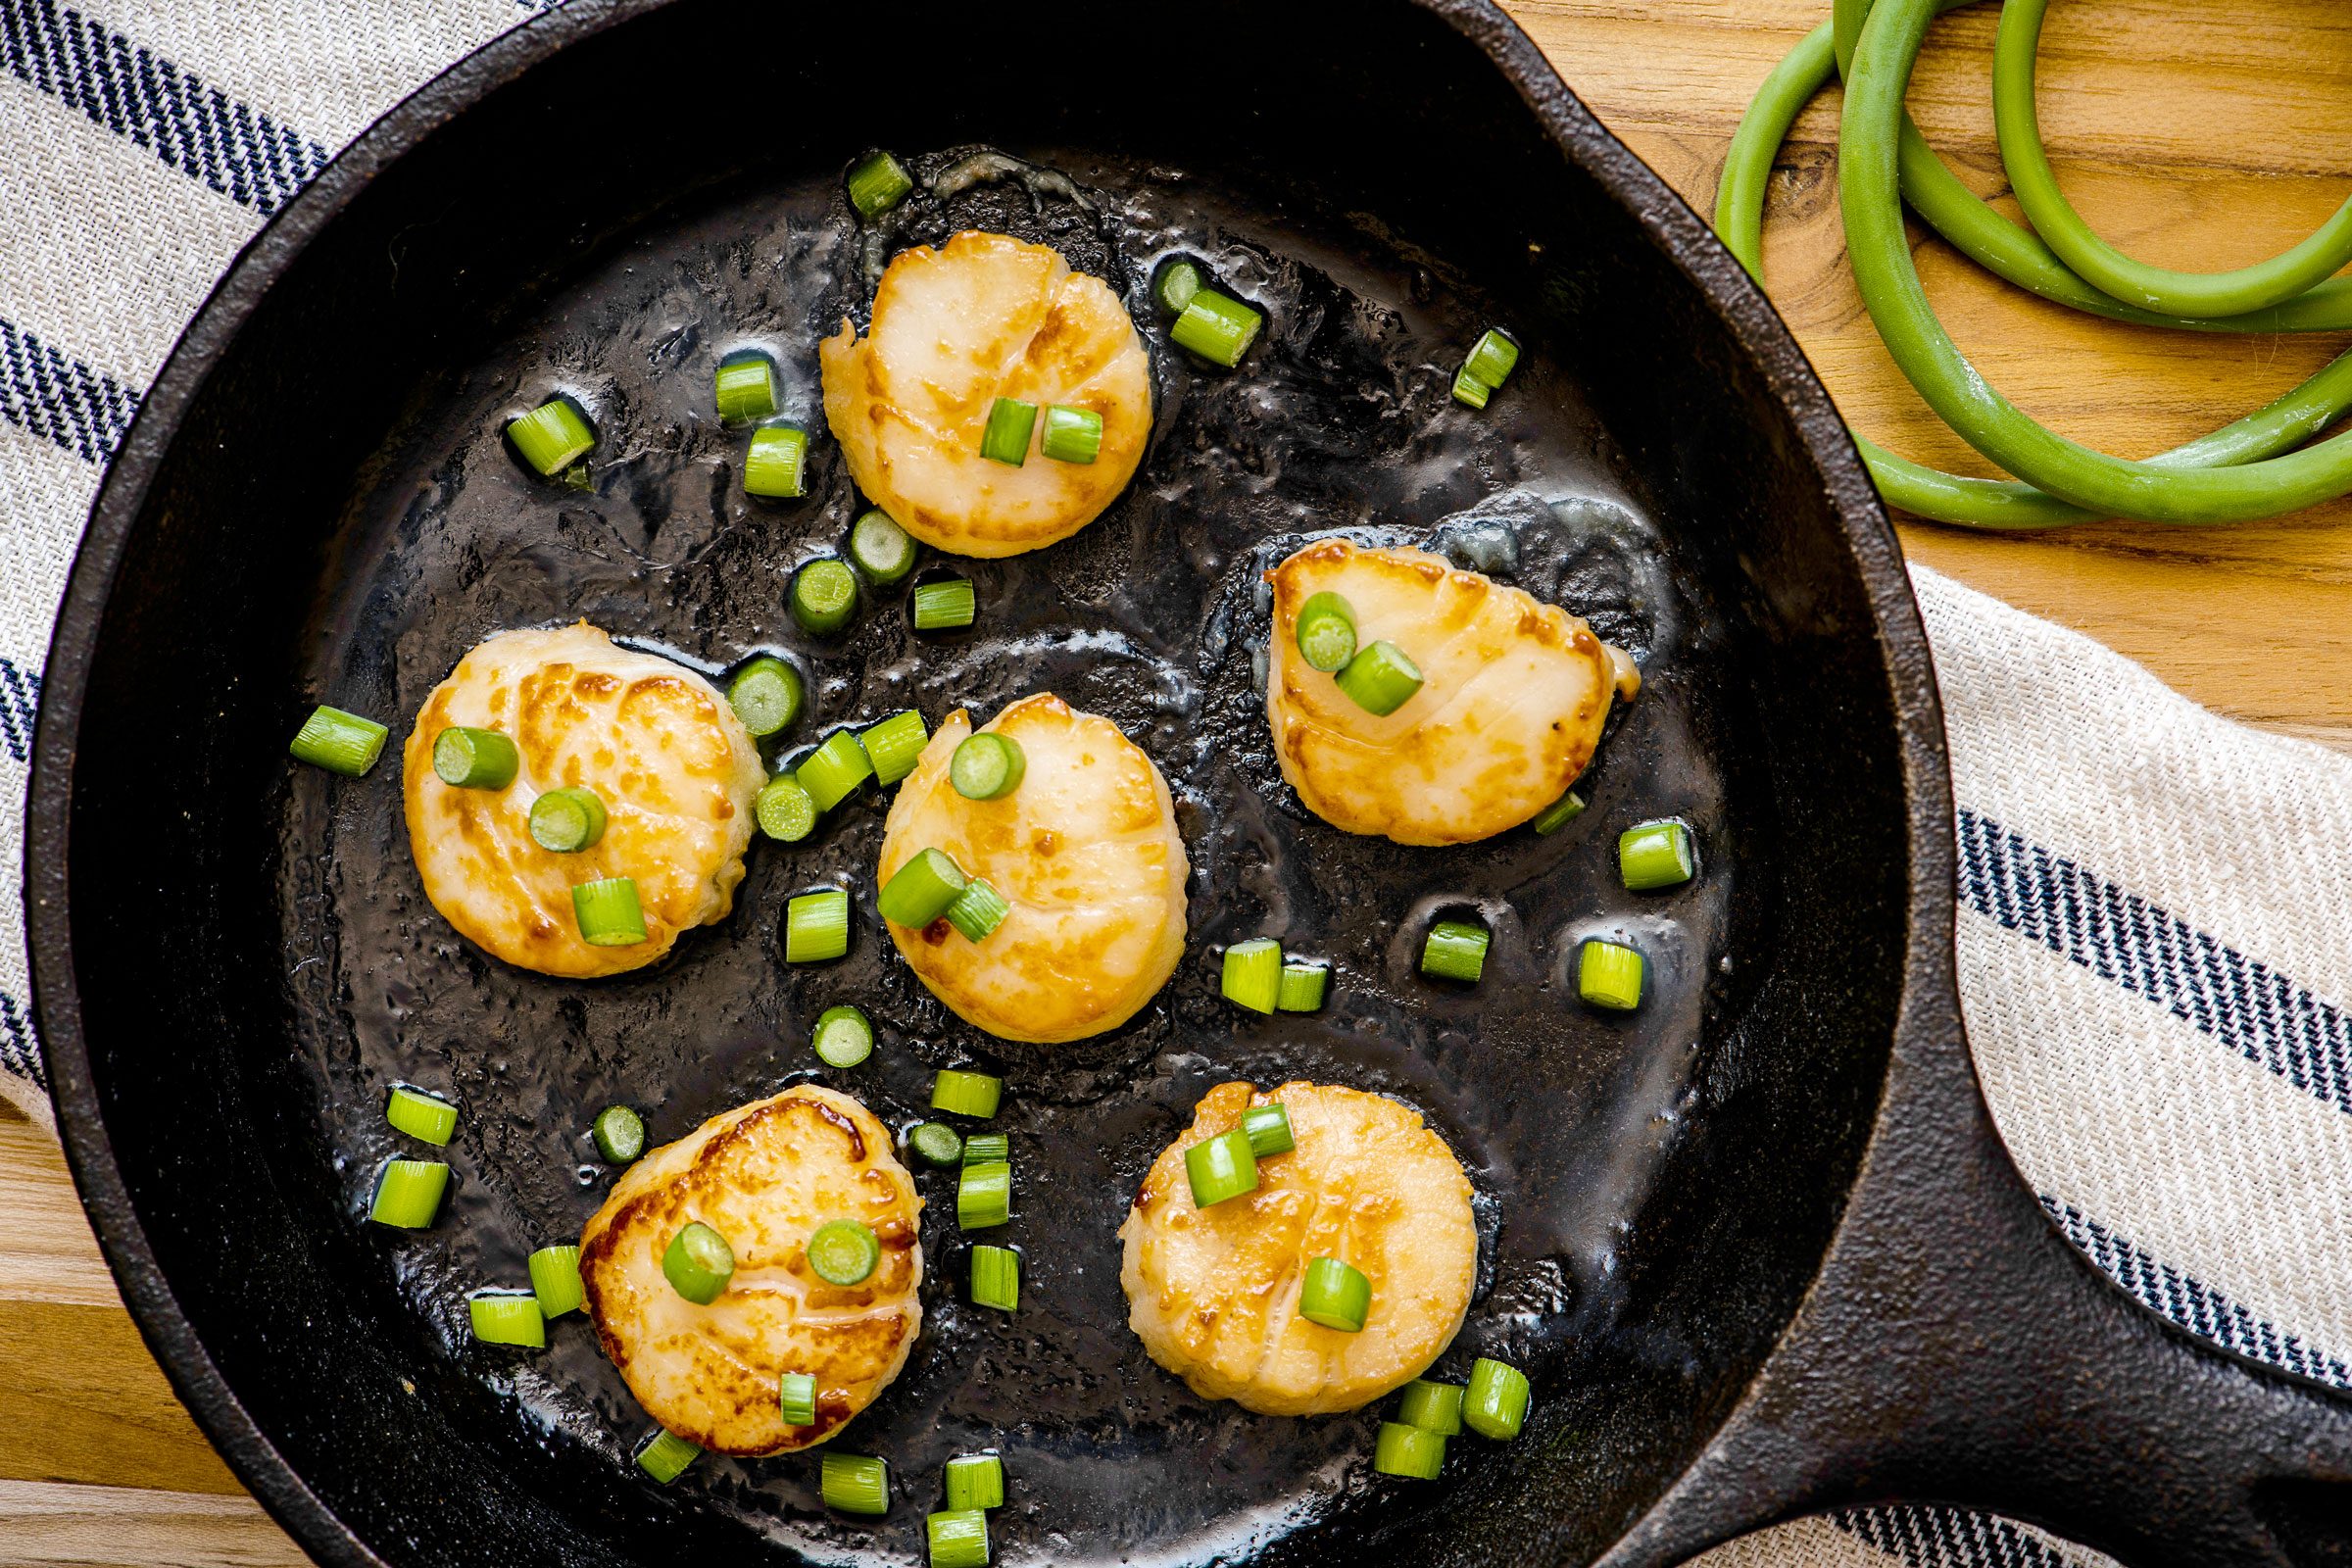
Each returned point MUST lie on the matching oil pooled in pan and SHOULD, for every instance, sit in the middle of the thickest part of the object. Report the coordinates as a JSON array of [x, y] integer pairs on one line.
[[1339, 421]]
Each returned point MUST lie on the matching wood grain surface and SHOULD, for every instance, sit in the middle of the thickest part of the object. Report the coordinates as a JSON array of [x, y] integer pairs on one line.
[[2193, 136], [98, 1462]]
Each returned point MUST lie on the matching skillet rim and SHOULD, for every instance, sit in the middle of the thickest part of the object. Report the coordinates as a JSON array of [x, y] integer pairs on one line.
[[1754, 324]]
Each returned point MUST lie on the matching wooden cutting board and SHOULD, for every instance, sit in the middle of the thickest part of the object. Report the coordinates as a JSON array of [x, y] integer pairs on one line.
[[2197, 137]]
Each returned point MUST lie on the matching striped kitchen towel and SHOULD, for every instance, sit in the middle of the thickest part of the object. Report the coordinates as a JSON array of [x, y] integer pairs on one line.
[[2159, 1016]]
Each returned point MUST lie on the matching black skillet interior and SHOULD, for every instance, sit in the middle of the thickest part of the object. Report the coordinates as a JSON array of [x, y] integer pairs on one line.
[[337, 519]]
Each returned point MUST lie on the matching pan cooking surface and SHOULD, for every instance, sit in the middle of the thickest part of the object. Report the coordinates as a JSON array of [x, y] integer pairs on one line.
[[1339, 419]]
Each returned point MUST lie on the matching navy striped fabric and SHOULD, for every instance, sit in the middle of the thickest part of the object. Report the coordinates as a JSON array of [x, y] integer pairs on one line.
[[19, 700], [1949, 1538], [2201, 1310], [2237, 1000], [20, 1052], [192, 126], [61, 400]]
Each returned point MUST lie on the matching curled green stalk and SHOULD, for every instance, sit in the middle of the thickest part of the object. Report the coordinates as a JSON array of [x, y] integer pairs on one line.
[[2014, 254], [2200, 295], [2017, 256], [1869, 190]]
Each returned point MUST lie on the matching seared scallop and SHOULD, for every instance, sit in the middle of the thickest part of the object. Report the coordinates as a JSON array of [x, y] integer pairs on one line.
[[1213, 1293], [674, 766], [986, 317], [766, 1177], [1086, 853], [1514, 693]]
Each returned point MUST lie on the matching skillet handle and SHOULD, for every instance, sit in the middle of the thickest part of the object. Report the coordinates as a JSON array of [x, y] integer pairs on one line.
[[1956, 1349]]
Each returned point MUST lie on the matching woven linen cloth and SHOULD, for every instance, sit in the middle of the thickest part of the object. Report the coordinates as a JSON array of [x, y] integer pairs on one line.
[[2153, 950]]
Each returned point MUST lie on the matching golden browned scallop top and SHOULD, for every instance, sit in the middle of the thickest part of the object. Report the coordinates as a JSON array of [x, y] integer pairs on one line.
[[674, 766], [1087, 853], [765, 1176], [1213, 1293], [1513, 698], [984, 317]]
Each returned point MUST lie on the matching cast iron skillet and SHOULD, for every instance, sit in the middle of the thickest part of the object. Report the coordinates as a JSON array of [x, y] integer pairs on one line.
[[1760, 1245]]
